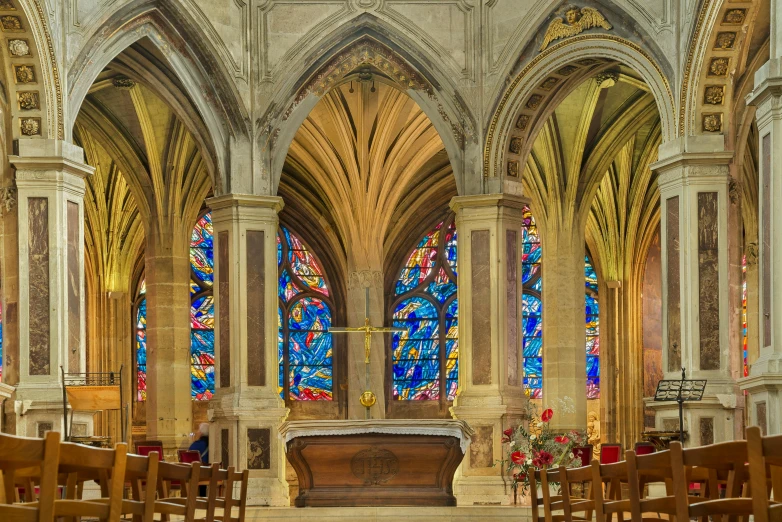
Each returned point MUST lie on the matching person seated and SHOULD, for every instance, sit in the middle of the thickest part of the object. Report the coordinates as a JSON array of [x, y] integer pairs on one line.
[[201, 445]]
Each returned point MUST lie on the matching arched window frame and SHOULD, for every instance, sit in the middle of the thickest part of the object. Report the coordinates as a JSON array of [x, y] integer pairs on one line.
[[399, 407], [283, 263]]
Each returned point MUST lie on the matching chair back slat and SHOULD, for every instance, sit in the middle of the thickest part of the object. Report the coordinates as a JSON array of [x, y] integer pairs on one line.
[[40, 455]]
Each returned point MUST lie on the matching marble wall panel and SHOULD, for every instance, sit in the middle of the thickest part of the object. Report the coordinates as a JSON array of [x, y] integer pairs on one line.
[[38, 251], [224, 443], [481, 307], [708, 280], [74, 289], [707, 430], [652, 325], [482, 447], [513, 306], [256, 309], [673, 310], [258, 448], [766, 223], [224, 320], [43, 427], [760, 414]]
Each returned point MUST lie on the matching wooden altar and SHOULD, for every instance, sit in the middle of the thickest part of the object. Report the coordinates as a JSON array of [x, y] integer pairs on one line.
[[385, 462]]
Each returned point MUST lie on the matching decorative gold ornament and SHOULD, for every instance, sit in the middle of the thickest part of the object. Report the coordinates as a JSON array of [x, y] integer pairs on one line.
[[513, 169], [567, 70], [28, 100], [24, 73], [11, 23], [718, 66], [712, 122], [606, 79], [18, 47], [368, 399], [123, 83], [7, 5], [725, 40], [549, 83], [734, 16], [30, 126], [534, 101], [575, 22], [522, 122], [714, 94], [515, 145]]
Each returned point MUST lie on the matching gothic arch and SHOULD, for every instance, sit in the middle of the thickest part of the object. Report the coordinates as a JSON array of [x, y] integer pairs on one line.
[[717, 59], [368, 42], [529, 100], [224, 119]]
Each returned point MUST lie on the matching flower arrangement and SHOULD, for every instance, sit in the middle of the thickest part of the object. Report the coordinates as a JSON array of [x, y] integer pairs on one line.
[[537, 445]]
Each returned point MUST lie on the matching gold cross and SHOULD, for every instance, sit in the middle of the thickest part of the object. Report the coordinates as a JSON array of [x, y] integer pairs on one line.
[[367, 329]]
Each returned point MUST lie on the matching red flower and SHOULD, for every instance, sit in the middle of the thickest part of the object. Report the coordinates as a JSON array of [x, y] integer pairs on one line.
[[546, 458], [546, 415], [519, 477], [506, 435], [537, 463], [562, 439], [518, 457]]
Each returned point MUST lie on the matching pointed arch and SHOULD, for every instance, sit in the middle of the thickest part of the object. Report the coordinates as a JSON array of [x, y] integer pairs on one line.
[[369, 42]]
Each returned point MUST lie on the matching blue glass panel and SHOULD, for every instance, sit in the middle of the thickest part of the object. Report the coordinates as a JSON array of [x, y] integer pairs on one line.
[[141, 351], [533, 367], [593, 366], [533, 346], [202, 362], [309, 313], [450, 247], [310, 356], [419, 264], [202, 313], [203, 232], [532, 325], [304, 264], [592, 310], [416, 371], [287, 290], [441, 288]]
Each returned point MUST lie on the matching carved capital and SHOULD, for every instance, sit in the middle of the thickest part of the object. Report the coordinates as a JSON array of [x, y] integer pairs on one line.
[[365, 279], [7, 199], [752, 253]]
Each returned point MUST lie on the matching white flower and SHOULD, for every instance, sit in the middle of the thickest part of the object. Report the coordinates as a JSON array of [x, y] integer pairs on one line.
[[533, 437], [529, 462], [572, 456]]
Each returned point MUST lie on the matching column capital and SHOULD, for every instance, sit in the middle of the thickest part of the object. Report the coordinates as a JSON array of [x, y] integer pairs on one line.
[[488, 201], [245, 200], [692, 160], [50, 155]]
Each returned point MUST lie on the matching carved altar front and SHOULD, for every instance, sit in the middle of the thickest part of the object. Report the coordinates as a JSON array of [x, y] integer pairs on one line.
[[386, 462]]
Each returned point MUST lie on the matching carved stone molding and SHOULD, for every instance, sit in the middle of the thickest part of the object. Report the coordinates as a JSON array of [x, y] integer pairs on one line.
[[7, 199], [576, 21], [365, 279], [752, 253]]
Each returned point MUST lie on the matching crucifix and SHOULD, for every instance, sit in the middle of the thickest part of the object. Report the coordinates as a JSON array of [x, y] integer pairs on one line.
[[367, 398]]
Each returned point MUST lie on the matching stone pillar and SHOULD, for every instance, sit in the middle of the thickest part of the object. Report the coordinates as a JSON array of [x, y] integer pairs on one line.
[[700, 326], [167, 272], [765, 378], [490, 396], [246, 410], [564, 323], [50, 182]]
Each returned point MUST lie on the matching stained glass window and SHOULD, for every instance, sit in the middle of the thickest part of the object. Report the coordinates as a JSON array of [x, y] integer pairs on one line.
[[305, 313], [532, 326], [592, 332], [744, 336], [202, 311], [532, 306], [141, 343], [427, 308]]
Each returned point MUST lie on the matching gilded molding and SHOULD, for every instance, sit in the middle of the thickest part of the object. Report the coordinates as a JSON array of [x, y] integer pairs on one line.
[[576, 21]]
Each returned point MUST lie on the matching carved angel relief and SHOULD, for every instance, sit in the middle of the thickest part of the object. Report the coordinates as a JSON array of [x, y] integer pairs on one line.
[[576, 21]]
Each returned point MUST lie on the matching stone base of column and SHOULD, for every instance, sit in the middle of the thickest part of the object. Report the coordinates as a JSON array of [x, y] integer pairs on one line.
[[33, 410], [244, 433], [764, 401], [480, 479], [717, 418]]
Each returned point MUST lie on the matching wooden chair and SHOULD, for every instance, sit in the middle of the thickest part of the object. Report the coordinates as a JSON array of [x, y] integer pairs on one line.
[[643, 469], [146, 443], [144, 451], [18, 453], [141, 472], [211, 475], [228, 502], [609, 502], [187, 475], [711, 462], [188, 456], [571, 503], [610, 453], [644, 448], [81, 463], [765, 469]]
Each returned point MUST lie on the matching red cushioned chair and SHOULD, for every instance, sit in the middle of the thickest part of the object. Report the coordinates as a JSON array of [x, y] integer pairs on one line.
[[188, 456], [584, 453], [644, 448], [610, 453]]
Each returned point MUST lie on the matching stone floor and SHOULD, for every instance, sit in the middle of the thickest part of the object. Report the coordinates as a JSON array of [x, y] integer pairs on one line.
[[388, 514]]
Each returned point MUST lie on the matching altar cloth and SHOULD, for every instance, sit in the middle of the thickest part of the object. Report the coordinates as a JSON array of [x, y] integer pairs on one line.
[[432, 427]]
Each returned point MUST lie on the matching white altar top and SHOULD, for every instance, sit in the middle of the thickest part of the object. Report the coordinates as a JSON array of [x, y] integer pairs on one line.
[[432, 427]]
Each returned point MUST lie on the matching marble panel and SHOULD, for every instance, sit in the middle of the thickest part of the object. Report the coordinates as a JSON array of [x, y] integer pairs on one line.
[[652, 319], [74, 289], [707, 430], [256, 309], [760, 414], [513, 305], [708, 280], [224, 319], [43, 427], [258, 448], [38, 251], [670, 424], [482, 447], [766, 223], [674, 295], [481, 307], [224, 443]]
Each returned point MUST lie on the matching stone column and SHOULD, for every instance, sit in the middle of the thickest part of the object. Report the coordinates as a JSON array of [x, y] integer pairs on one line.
[[247, 410], [700, 326], [167, 272], [490, 396], [765, 378], [564, 323], [50, 182]]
